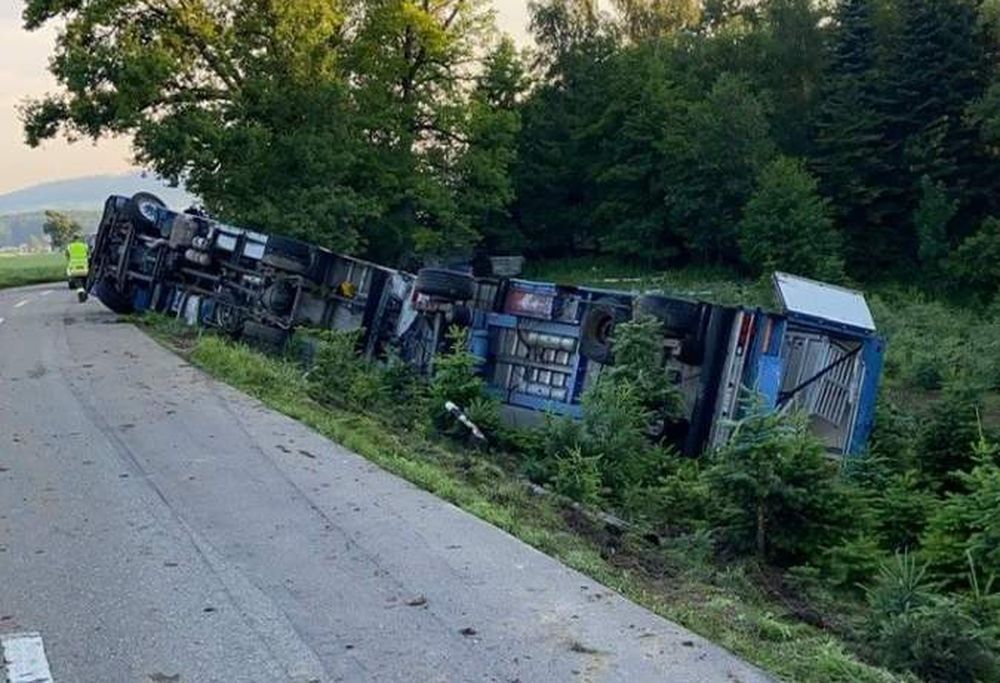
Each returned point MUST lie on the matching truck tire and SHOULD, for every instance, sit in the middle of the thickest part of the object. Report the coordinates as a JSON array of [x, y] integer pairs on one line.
[[117, 301], [227, 314], [288, 255], [597, 329], [143, 209], [677, 316], [445, 284], [279, 297]]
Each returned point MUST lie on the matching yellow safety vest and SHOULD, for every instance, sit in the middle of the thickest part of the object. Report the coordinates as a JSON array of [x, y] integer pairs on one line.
[[77, 259]]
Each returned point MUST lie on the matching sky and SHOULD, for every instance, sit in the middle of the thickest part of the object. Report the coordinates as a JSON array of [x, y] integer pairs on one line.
[[23, 74]]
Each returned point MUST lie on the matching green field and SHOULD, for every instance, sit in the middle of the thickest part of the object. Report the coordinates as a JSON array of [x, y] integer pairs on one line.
[[17, 271]]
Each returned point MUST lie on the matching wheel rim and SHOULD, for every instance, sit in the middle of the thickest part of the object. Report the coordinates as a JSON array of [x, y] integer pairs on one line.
[[148, 211]]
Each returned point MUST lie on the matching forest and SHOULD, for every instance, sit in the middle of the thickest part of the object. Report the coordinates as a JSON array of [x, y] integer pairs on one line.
[[855, 141]]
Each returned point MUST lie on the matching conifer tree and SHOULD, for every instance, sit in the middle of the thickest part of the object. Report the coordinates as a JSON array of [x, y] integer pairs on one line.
[[851, 153]]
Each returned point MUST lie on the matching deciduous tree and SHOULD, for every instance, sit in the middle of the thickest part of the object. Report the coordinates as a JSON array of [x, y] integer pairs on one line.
[[60, 229]]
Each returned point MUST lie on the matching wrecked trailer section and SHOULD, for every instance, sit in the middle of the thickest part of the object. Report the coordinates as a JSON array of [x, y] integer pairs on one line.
[[540, 345], [543, 345], [242, 282]]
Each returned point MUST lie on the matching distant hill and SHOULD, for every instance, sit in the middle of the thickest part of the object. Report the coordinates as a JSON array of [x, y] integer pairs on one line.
[[88, 193], [18, 229]]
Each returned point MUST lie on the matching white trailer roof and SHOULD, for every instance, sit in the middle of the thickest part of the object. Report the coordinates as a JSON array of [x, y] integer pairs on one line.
[[799, 295]]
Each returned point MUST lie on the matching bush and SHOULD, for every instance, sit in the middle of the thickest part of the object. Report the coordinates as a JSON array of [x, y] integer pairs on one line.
[[915, 630], [891, 448], [485, 414], [618, 412], [901, 585], [966, 527], [638, 352], [853, 562], [926, 373], [339, 376], [615, 427], [679, 501], [932, 340], [900, 510], [558, 435], [456, 379], [578, 476], [945, 442], [776, 494], [975, 265], [939, 643]]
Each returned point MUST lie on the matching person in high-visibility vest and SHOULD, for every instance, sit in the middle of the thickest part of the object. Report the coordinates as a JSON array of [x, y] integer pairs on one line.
[[77, 264]]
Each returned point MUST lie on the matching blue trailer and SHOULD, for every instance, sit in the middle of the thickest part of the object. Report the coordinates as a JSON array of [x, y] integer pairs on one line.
[[542, 346]]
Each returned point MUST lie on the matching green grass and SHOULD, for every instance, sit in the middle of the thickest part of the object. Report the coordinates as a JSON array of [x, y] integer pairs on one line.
[[718, 285], [29, 269], [725, 605]]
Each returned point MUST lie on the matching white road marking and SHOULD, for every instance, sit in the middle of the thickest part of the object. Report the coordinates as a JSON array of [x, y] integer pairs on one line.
[[47, 292], [23, 302], [1, 321], [24, 655]]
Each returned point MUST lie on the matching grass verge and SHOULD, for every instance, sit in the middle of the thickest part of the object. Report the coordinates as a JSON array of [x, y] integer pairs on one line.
[[30, 269], [726, 605]]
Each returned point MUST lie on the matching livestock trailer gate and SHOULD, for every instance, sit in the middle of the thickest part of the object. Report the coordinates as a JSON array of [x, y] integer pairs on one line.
[[540, 345]]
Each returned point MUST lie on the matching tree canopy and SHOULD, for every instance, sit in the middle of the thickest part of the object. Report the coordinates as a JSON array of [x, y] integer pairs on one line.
[[347, 123], [409, 129], [61, 229]]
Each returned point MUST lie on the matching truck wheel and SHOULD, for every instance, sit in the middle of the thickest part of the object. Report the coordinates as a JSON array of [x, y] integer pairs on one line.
[[117, 301], [279, 297], [597, 329], [227, 314], [144, 209], [446, 284]]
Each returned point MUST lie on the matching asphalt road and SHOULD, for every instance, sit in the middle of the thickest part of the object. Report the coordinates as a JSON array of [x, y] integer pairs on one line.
[[158, 526]]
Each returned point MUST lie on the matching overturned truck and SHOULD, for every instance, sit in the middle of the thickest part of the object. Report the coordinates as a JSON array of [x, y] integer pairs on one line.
[[540, 345]]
